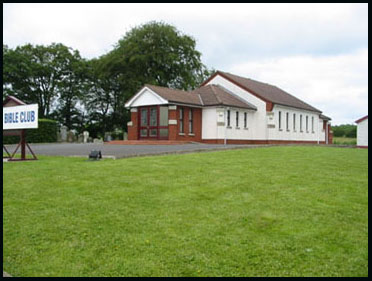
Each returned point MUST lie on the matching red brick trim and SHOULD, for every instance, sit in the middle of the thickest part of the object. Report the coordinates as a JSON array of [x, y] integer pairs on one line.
[[221, 141], [269, 106], [362, 146]]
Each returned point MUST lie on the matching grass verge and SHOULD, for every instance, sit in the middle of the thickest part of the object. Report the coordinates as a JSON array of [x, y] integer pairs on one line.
[[275, 211]]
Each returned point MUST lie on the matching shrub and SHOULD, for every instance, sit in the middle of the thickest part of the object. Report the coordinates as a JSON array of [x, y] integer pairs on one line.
[[46, 132]]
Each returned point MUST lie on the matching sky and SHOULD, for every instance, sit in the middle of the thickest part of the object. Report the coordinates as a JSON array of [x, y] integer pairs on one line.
[[316, 52]]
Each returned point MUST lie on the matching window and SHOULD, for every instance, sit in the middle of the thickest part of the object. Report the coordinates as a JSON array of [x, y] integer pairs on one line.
[[153, 116], [312, 124], [307, 124], [294, 121], [237, 119], [181, 120], [228, 118], [245, 119], [280, 120], [300, 122], [163, 122], [191, 128], [287, 121]]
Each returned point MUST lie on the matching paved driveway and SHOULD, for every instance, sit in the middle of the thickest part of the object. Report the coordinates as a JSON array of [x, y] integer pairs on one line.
[[120, 151]]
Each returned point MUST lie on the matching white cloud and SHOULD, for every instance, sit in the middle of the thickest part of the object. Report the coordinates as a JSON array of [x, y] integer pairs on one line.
[[220, 29], [337, 85], [317, 52]]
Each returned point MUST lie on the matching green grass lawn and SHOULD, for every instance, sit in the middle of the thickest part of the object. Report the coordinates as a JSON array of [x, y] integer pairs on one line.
[[274, 211], [344, 141]]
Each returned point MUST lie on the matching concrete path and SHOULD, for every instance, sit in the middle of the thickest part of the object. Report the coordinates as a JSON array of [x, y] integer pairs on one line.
[[122, 151]]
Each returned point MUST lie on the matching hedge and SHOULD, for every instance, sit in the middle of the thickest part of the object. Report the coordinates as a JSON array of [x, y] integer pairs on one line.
[[46, 132]]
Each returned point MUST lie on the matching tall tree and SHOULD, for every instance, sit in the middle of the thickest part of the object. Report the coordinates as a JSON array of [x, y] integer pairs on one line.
[[33, 73], [154, 53], [71, 90], [100, 97]]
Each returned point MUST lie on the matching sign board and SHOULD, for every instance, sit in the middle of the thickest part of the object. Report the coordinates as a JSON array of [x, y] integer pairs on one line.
[[20, 117]]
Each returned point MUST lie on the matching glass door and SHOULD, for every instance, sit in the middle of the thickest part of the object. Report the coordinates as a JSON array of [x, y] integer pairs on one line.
[[148, 128], [143, 128], [153, 122]]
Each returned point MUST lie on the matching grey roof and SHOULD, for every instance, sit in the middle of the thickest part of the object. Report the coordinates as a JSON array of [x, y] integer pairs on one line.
[[210, 95], [217, 95], [265, 91], [321, 116]]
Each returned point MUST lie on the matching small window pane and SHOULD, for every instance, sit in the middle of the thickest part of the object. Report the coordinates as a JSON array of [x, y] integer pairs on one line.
[[153, 132], [163, 116], [143, 117], [181, 120], [163, 132], [143, 133], [191, 121], [153, 117]]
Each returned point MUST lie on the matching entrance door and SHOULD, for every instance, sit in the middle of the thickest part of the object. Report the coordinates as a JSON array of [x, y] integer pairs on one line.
[[148, 122]]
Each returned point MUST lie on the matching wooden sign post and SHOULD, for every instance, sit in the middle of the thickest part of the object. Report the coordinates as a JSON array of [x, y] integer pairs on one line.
[[17, 117]]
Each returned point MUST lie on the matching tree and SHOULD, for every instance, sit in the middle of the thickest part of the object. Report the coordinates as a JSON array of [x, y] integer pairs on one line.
[[34, 73], [159, 54], [99, 98], [71, 90], [154, 53], [344, 130]]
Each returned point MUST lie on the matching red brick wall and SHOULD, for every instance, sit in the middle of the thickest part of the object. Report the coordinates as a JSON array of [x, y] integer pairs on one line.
[[172, 129], [330, 134], [133, 130], [197, 124]]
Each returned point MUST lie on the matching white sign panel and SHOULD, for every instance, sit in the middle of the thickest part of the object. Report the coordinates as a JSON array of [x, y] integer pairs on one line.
[[20, 117]]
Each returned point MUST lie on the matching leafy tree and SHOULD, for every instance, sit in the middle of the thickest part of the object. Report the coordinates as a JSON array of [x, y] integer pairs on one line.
[[71, 89], [154, 53], [74, 91], [34, 73], [100, 97], [159, 54], [344, 130]]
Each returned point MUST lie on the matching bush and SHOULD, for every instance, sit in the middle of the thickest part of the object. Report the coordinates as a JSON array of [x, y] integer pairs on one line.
[[117, 134], [346, 130], [47, 132]]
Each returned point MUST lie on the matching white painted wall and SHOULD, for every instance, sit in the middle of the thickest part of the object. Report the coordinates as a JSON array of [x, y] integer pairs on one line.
[[209, 123], [239, 132], [214, 124], [258, 128], [362, 133], [146, 97], [296, 134]]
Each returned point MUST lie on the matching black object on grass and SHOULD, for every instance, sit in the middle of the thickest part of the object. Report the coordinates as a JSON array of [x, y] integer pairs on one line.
[[95, 155]]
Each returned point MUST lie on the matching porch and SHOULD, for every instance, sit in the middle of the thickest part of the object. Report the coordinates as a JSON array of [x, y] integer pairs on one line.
[[164, 124]]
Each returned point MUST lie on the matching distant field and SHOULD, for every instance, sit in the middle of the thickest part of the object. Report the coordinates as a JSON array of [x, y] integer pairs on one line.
[[344, 141], [274, 211]]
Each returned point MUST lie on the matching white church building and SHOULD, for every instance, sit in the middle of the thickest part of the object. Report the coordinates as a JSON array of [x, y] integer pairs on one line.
[[226, 109]]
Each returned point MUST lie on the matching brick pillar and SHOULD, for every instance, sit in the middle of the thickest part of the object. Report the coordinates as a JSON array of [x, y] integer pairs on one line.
[[172, 122], [133, 125], [330, 134]]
